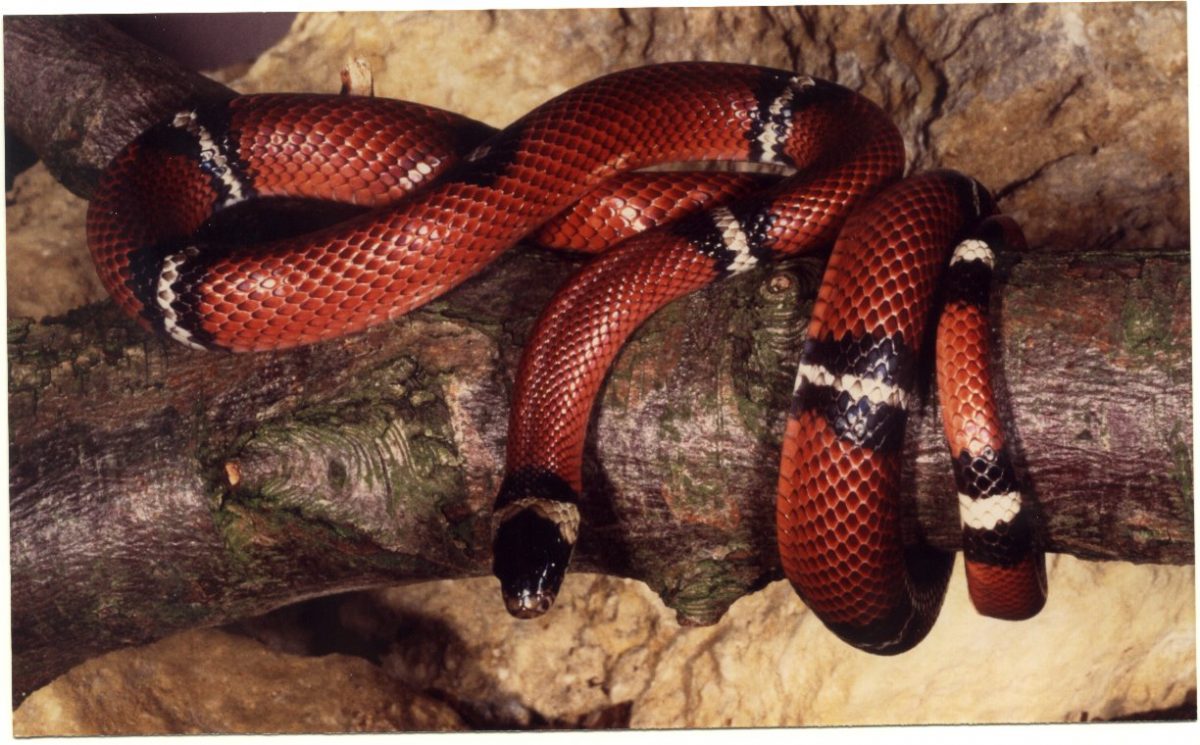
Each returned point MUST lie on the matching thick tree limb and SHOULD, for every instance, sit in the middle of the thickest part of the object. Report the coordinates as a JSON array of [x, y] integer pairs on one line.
[[373, 460], [76, 90], [155, 489]]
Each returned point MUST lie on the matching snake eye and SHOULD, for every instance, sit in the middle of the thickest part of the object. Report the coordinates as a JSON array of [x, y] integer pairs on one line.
[[530, 558]]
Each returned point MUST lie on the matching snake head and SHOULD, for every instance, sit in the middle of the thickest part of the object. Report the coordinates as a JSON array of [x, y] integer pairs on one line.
[[532, 546]]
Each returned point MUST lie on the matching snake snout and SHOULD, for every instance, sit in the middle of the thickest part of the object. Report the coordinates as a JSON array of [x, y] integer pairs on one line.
[[529, 605], [531, 558]]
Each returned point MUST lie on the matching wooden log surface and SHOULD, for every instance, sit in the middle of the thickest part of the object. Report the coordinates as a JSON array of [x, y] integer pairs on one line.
[[154, 489], [76, 90]]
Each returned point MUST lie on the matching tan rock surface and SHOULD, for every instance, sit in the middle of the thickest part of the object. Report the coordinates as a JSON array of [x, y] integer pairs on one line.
[[1114, 639], [212, 682], [1079, 109], [49, 268]]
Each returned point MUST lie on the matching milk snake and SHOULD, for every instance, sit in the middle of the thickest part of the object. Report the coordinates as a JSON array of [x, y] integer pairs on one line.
[[477, 192]]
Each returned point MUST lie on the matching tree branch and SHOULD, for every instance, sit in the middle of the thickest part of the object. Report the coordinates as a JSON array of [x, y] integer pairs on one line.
[[76, 90], [232, 484]]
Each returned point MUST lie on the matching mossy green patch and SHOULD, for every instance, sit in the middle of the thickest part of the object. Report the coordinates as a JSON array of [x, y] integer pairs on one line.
[[1144, 327], [364, 459], [1182, 472], [236, 533], [258, 542], [701, 493], [770, 332], [18, 329], [1148, 317], [703, 594]]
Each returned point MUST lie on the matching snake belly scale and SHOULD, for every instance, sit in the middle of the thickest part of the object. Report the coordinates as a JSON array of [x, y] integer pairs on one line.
[[443, 196]]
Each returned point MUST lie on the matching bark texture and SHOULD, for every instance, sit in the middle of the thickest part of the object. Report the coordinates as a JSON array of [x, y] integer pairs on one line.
[[373, 460], [235, 484], [76, 90]]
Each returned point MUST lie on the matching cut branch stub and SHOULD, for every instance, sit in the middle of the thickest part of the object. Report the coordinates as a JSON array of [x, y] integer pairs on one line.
[[384, 461]]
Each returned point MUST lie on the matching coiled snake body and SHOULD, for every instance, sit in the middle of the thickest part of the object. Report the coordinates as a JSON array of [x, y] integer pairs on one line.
[[478, 193]]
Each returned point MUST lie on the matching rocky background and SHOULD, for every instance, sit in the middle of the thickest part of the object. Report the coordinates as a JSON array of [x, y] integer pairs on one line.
[[1074, 114]]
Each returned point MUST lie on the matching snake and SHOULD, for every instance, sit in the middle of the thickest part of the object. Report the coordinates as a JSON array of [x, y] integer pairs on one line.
[[436, 197]]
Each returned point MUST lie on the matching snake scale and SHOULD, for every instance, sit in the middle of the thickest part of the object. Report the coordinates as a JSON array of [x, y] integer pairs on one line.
[[447, 195]]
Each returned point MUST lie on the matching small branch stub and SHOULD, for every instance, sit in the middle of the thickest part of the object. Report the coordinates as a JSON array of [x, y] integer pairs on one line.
[[233, 473], [357, 78]]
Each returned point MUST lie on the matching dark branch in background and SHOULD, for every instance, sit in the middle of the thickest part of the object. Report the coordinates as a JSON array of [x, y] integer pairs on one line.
[[76, 90], [155, 489]]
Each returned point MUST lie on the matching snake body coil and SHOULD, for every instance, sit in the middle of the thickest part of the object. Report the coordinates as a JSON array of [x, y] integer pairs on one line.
[[447, 195]]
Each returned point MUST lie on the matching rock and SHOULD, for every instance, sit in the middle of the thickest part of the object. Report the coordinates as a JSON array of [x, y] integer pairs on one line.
[[210, 681], [1075, 113], [49, 267], [1114, 639]]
